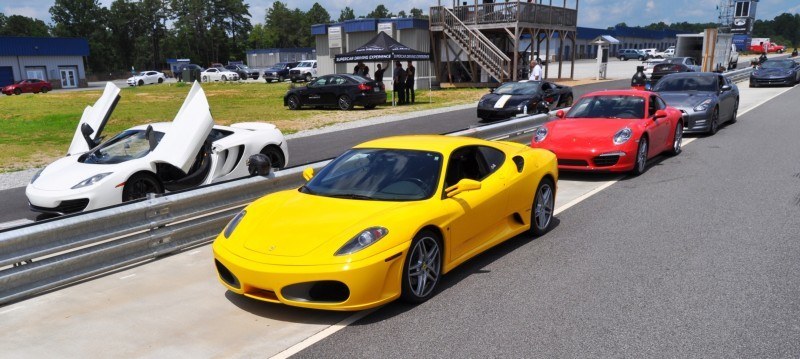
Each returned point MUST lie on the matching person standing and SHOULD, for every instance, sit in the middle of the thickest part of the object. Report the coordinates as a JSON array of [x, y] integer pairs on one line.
[[379, 75], [410, 72], [398, 82], [536, 70]]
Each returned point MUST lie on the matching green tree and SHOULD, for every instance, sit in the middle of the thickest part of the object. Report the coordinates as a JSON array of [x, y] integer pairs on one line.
[[260, 37], [402, 14], [17, 25], [316, 15], [346, 14], [416, 13], [2, 20], [380, 12], [287, 25], [85, 19]]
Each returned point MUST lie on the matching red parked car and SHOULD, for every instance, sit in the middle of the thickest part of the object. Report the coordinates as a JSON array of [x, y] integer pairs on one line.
[[614, 131], [32, 85]]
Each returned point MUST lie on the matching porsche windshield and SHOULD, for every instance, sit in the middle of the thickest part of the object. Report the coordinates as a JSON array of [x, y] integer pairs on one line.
[[518, 88], [379, 174], [687, 83], [776, 64], [608, 106], [126, 146]]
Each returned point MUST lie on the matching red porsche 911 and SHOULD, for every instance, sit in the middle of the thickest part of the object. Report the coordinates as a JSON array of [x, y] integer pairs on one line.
[[32, 85], [613, 131]]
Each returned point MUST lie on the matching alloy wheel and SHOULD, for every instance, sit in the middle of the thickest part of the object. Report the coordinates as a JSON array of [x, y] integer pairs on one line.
[[424, 266], [543, 212]]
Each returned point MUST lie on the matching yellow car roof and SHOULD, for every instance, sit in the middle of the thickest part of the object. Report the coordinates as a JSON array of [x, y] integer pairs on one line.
[[436, 143]]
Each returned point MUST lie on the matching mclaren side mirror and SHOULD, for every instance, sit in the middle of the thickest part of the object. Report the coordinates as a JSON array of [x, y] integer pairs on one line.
[[464, 185], [308, 173]]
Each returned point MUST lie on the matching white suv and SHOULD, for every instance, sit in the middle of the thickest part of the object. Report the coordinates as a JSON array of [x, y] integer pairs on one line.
[[304, 71]]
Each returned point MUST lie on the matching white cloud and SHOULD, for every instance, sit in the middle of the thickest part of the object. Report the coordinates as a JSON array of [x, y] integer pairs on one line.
[[29, 11]]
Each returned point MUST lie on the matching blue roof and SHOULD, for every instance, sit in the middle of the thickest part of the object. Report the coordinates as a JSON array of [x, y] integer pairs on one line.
[[43, 46], [282, 49], [588, 33], [357, 25]]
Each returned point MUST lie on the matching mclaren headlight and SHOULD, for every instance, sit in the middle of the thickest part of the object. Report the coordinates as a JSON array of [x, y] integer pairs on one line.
[[622, 136], [35, 176], [233, 223], [91, 180], [703, 105], [362, 240], [540, 134]]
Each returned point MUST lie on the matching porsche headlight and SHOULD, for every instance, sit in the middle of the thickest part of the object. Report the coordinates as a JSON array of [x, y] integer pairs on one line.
[[233, 223], [703, 105], [540, 134], [91, 180], [35, 176], [363, 240], [622, 136]]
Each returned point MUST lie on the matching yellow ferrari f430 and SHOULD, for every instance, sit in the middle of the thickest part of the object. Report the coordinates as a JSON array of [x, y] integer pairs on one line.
[[386, 220]]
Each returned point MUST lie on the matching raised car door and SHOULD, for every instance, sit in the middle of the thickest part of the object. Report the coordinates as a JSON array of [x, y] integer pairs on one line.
[[94, 119], [187, 133]]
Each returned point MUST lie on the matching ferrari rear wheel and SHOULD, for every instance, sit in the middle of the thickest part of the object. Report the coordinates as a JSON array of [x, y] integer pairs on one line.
[[139, 185], [543, 206], [422, 268], [641, 158], [677, 140]]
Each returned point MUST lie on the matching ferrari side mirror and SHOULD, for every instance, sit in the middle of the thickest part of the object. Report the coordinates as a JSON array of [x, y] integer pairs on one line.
[[308, 173], [464, 185]]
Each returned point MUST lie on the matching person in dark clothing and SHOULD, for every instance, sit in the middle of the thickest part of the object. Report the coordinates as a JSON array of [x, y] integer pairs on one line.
[[410, 72], [361, 69], [399, 81], [762, 58], [379, 74]]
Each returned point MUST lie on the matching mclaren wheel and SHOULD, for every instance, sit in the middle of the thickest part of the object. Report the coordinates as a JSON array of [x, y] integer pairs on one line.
[[275, 156], [139, 185], [422, 268]]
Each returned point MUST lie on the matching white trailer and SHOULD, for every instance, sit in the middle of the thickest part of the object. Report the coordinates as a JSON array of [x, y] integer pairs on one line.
[[715, 51]]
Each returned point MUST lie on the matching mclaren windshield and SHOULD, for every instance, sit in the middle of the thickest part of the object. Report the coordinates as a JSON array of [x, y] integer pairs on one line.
[[379, 174], [126, 146], [608, 106]]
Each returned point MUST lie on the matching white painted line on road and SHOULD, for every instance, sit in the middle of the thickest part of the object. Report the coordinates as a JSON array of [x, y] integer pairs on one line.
[[12, 309], [127, 276], [294, 349], [766, 100], [15, 223]]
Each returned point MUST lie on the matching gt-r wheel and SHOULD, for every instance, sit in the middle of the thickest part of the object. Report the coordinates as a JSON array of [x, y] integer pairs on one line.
[[713, 127], [293, 102], [275, 156], [160, 80], [543, 205], [345, 104], [735, 112], [677, 140], [17, 91], [422, 268], [141, 83], [139, 185], [641, 158]]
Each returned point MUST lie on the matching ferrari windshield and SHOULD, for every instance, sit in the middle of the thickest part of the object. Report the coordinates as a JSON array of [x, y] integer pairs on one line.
[[687, 83], [126, 146], [379, 174], [608, 106], [518, 88], [778, 64]]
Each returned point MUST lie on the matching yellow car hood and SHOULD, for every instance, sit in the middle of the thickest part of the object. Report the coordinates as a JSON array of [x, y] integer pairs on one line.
[[293, 224]]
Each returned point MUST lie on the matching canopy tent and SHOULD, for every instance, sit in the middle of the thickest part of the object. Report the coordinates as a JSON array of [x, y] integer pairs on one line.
[[382, 47]]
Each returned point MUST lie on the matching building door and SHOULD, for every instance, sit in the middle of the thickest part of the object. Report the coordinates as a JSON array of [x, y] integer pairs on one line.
[[69, 77], [6, 76]]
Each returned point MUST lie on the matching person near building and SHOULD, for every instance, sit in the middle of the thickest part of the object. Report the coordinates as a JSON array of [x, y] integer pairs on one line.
[[409, 85], [379, 70], [536, 70], [398, 82], [361, 69]]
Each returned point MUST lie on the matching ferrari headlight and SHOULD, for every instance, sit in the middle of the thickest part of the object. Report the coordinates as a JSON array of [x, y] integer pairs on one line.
[[622, 136], [233, 223], [703, 105], [91, 180], [363, 240], [540, 134], [35, 176]]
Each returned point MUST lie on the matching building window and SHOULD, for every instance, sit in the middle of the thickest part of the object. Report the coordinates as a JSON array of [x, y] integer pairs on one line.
[[36, 72], [742, 9]]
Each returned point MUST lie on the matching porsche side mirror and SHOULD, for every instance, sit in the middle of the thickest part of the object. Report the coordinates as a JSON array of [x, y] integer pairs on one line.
[[726, 88], [560, 114], [464, 185], [259, 165], [660, 114], [308, 173]]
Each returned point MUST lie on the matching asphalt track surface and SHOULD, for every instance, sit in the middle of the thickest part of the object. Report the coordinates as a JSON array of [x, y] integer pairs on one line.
[[698, 257], [303, 150]]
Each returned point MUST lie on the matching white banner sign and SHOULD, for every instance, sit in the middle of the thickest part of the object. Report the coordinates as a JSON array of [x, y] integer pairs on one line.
[[335, 37], [386, 27]]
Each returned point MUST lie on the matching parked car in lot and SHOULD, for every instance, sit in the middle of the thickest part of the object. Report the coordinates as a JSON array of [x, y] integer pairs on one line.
[[651, 53], [304, 71], [188, 152], [147, 78], [385, 221], [674, 65], [513, 98], [706, 99], [776, 72], [341, 90], [612, 131], [30, 86], [669, 52], [279, 72], [627, 54], [244, 71], [218, 74]]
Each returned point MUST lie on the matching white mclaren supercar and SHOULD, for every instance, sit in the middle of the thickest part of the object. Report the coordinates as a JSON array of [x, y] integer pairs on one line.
[[188, 152]]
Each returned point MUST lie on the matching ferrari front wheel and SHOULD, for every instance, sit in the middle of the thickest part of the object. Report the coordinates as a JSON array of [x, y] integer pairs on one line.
[[543, 207], [422, 268], [139, 185]]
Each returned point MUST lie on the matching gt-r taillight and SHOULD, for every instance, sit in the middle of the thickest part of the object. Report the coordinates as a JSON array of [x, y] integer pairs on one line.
[[364, 87]]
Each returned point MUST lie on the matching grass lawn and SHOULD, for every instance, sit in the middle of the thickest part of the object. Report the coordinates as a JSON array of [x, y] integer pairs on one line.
[[36, 129]]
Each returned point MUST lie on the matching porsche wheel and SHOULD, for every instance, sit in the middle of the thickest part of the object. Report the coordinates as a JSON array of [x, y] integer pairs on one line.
[[139, 185], [422, 268], [641, 158], [677, 140], [141, 83], [275, 156], [345, 104], [293, 102], [543, 206], [713, 127]]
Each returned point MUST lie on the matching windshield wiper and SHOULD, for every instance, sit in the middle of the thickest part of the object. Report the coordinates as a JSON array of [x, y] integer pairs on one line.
[[351, 196], [305, 189]]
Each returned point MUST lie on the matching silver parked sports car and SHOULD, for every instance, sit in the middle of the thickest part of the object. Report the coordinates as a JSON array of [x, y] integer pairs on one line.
[[707, 99]]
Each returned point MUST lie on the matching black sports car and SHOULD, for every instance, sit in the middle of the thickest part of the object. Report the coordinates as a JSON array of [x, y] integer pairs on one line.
[[776, 72], [706, 99], [513, 98], [674, 65], [342, 91]]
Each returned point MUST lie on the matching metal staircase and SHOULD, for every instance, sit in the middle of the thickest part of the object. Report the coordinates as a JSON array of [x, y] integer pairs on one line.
[[478, 46]]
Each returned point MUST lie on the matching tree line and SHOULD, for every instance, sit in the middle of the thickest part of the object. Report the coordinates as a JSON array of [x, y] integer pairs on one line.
[[144, 33]]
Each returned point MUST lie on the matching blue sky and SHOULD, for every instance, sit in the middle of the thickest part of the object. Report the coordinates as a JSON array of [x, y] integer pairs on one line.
[[592, 13]]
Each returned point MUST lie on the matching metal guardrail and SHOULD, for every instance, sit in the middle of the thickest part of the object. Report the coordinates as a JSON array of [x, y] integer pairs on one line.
[[739, 75]]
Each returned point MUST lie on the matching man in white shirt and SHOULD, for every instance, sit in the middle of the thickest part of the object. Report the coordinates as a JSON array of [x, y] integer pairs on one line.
[[536, 71]]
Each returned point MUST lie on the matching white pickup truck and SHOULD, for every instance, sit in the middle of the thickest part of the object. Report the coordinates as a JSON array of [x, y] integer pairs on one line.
[[669, 52]]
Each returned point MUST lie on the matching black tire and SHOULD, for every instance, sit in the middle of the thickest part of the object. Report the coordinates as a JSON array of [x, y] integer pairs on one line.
[[293, 102], [308, 78], [423, 264], [640, 166], [224, 78], [281, 79], [17, 91], [369, 107], [621, 58], [735, 112], [641, 58], [543, 207], [160, 80], [141, 83], [139, 185], [204, 79], [269, 81], [345, 103], [713, 127], [275, 156], [45, 89], [677, 140]]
